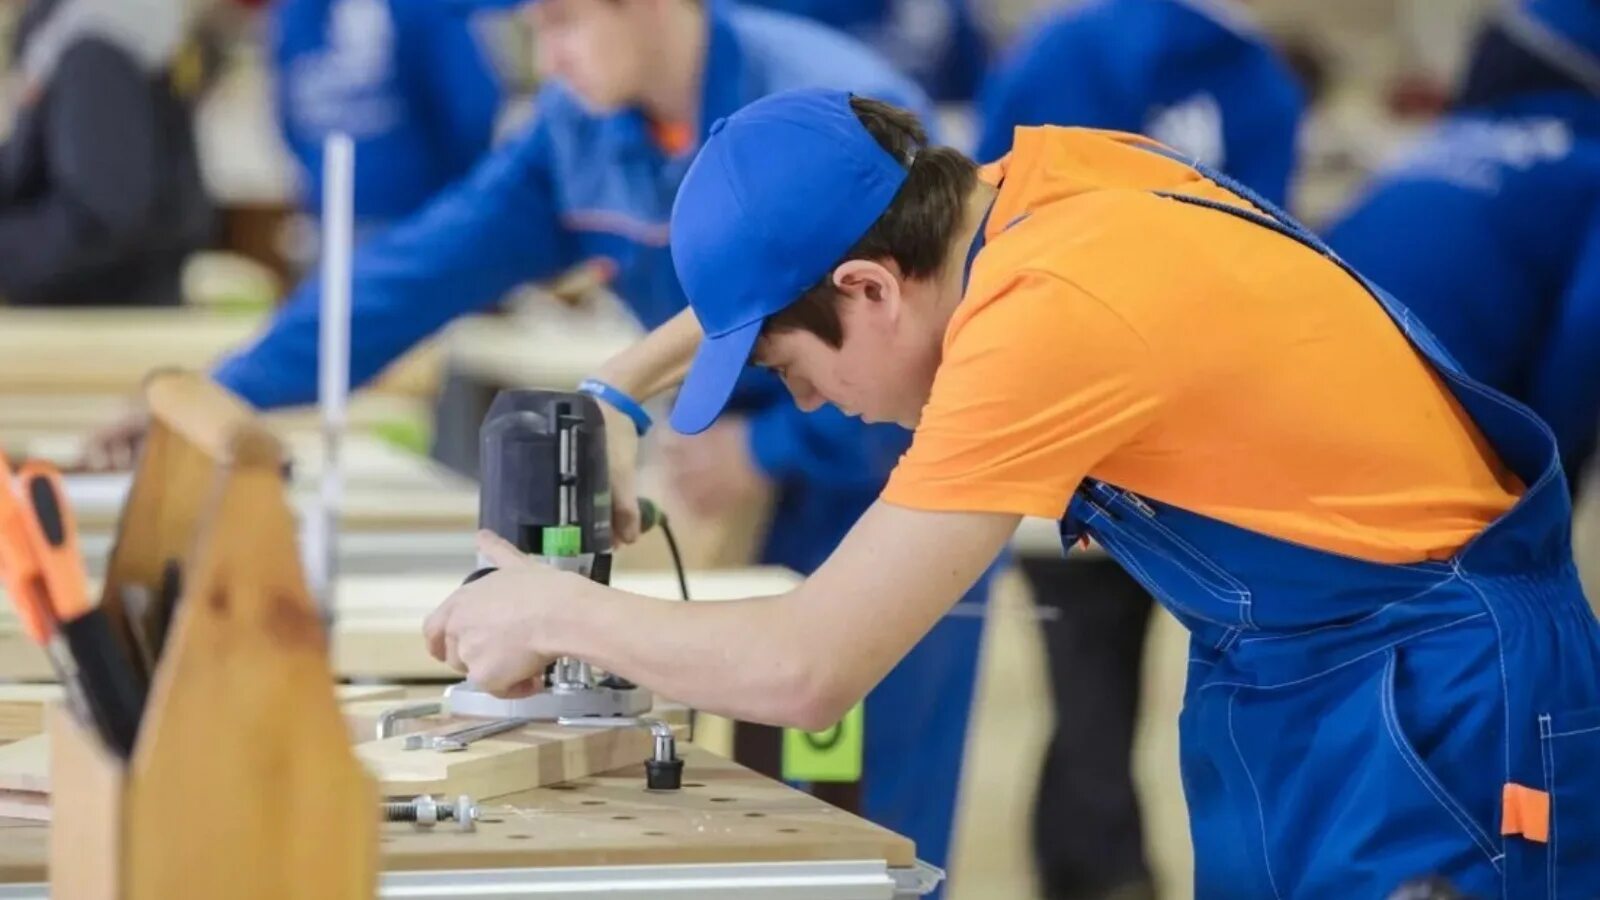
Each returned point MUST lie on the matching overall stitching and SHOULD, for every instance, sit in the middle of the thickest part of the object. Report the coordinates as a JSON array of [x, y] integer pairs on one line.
[[1505, 680], [1335, 626], [1261, 813], [1547, 758], [1408, 755], [1337, 666], [1239, 598]]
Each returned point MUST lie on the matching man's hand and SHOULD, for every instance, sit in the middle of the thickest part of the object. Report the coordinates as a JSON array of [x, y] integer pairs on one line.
[[114, 447], [622, 465], [713, 472], [495, 631]]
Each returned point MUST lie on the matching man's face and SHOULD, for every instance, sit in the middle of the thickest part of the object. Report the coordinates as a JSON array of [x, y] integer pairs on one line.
[[598, 48], [883, 370]]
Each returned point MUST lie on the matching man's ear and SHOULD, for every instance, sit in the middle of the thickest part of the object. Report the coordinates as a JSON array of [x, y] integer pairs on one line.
[[871, 280]]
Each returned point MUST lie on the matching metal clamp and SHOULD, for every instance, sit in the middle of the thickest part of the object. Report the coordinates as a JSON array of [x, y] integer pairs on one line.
[[456, 741], [664, 770]]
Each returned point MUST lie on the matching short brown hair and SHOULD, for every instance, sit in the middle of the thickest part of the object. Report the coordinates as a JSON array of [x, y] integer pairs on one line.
[[915, 231]]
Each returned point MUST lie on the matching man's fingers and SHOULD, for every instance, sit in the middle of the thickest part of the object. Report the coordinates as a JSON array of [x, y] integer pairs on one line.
[[433, 629], [625, 522], [525, 688], [452, 654]]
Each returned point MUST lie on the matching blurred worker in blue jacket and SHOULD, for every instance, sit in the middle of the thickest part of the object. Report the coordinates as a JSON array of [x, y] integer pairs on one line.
[[1197, 75], [937, 42], [1489, 229], [635, 86], [406, 79], [1200, 76]]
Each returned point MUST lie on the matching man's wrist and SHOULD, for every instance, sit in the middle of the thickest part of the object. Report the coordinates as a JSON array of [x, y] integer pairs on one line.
[[619, 400]]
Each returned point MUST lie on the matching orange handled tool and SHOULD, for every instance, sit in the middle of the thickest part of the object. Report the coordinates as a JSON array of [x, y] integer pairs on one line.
[[55, 540], [43, 571]]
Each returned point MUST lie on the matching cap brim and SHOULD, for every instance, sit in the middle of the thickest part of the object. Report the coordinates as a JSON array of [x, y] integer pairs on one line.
[[715, 370]]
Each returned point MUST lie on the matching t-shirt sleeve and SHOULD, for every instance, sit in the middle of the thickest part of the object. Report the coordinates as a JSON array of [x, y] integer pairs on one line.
[[1037, 386]]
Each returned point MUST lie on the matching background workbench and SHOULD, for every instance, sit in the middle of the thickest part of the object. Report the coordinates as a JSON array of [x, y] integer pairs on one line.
[[378, 619], [99, 351]]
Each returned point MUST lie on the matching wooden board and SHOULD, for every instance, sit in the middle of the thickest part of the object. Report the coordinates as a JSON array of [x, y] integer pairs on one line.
[[31, 416], [533, 756], [42, 351], [25, 763], [724, 814], [386, 488], [22, 706]]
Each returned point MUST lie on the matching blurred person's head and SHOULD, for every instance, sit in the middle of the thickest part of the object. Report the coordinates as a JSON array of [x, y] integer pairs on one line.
[[618, 53]]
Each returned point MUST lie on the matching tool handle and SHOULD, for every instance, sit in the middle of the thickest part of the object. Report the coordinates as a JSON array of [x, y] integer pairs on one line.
[[56, 540], [113, 689], [19, 566], [649, 514]]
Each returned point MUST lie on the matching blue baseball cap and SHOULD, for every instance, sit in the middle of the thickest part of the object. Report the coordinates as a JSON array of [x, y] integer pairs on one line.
[[1566, 33], [779, 193]]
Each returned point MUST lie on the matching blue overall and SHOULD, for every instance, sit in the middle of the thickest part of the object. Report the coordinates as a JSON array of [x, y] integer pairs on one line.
[[1349, 725], [578, 185]]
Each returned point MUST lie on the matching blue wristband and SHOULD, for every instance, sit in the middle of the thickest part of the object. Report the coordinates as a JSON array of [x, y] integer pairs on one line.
[[624, 404]]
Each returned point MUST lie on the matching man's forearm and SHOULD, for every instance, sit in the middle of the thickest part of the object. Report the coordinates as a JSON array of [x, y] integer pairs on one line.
[[658, 362], [753, 660]]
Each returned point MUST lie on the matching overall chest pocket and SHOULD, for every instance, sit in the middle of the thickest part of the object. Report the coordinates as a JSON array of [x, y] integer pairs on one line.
[[1184, 579], [1570, 743]]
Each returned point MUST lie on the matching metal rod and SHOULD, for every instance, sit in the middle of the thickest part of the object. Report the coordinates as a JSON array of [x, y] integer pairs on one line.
[[333, 361]]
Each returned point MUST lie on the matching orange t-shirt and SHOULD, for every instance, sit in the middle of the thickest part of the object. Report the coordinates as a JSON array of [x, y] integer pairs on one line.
[[1192, 357]]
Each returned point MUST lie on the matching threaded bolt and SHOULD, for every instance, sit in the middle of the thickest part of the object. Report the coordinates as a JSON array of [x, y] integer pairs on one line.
[[425, 812]]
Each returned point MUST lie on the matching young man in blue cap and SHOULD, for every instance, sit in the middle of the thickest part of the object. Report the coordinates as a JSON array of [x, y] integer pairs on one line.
[[1393, 672], [406, 79], [1488, 229], [634, 85], [1201, 77]]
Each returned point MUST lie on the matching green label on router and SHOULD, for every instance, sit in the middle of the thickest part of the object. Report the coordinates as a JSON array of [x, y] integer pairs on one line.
[[833, 754]]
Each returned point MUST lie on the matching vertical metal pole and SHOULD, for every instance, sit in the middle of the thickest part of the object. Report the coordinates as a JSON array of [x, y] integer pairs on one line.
[[333, 360]]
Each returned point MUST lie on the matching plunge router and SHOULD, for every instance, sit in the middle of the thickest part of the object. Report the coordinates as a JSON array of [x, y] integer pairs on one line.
[[545, 489]]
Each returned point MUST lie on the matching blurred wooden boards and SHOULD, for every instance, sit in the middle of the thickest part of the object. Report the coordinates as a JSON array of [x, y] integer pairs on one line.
[[110, 351], [386, 488], [25, 416], [378, 629], [22, 706]]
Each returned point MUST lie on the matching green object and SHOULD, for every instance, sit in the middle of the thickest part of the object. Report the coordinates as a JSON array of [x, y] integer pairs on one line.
[[834, 754], [561, 540], [410, 434]]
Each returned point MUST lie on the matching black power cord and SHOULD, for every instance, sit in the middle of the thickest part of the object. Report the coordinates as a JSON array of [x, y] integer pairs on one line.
[[683, 581]]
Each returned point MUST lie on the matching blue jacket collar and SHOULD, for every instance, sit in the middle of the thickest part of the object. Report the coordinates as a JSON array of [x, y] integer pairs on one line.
[[724, 85]]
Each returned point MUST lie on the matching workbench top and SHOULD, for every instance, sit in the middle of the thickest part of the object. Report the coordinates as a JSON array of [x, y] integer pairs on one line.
[[724, 814]]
